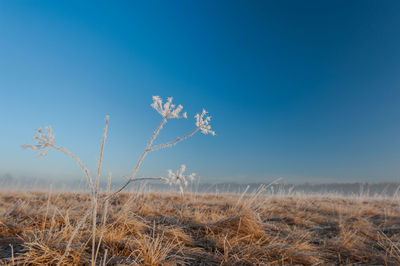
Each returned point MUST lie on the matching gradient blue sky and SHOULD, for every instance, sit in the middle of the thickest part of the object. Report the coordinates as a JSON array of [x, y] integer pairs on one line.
[[304, 90]]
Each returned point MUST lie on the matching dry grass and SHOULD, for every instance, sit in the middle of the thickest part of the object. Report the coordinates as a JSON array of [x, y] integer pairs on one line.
[[196, 229]]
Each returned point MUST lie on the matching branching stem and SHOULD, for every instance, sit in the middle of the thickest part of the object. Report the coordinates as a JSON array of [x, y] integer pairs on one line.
[[172, 143], [148, 149], [142, 156]]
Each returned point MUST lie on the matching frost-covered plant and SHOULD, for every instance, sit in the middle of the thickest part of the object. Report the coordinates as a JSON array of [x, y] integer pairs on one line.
[[44, 141], [168, 110], [179, 178]]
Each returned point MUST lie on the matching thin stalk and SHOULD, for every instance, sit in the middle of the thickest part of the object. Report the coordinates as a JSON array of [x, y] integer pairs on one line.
[[169, 144], [47, 210], [142, 157], [105, 258], [12, 255], [149, 149], [146, 178], [101, 153], [76, 158], [94, 194], [94, 214], [78, 226], [104, 216]]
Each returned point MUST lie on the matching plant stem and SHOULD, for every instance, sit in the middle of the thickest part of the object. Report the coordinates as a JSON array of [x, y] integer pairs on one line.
[[101, 153], [169, 144], [142, 157], [104, 216], [94, 195], [73, 156]]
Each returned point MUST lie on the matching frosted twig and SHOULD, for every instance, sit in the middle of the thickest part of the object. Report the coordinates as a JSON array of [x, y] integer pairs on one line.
[[94, 195], [142, 157], [46, 141], [201, 124], [101, 153], [172, 143]]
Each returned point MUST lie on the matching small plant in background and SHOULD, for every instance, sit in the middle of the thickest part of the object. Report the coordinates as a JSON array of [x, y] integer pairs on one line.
[[179, 178], [44, 141]]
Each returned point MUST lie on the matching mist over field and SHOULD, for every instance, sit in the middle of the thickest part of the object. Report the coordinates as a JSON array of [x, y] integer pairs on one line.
[[388, 189]]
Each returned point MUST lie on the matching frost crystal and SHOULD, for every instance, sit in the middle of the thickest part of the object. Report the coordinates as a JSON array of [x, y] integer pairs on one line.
[[202, 123], [43, 140], [167, 110]]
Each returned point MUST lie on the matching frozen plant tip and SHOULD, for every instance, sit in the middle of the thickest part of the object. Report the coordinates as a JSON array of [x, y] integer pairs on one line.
[[202, 123], [43, 141], [167, 110], [178, 177]]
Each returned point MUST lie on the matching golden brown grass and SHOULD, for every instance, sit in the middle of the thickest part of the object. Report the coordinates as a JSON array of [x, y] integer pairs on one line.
[[200, 229]]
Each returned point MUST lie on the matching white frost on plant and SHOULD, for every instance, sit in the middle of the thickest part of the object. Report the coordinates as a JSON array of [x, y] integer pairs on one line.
[[43, 140], [203, 123], [167, 110], [178, 177]]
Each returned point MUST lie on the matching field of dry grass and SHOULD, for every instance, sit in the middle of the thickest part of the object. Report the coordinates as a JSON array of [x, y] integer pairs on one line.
[[200, 229]]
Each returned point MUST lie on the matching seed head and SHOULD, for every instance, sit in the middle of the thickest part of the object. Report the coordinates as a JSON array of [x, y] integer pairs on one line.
[[203, 123], [178, 177], [43, 140], [167, 110]]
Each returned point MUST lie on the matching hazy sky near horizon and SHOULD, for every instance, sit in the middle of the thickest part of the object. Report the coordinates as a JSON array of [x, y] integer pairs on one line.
[[303, 90]]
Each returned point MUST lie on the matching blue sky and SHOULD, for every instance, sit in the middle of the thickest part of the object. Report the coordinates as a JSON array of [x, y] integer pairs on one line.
[[303, 90]]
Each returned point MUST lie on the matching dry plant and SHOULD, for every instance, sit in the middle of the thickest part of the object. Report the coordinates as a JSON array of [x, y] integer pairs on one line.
[[44, 141]]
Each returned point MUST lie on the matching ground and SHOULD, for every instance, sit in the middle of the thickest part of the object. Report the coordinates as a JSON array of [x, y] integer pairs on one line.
[[199, 229]]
